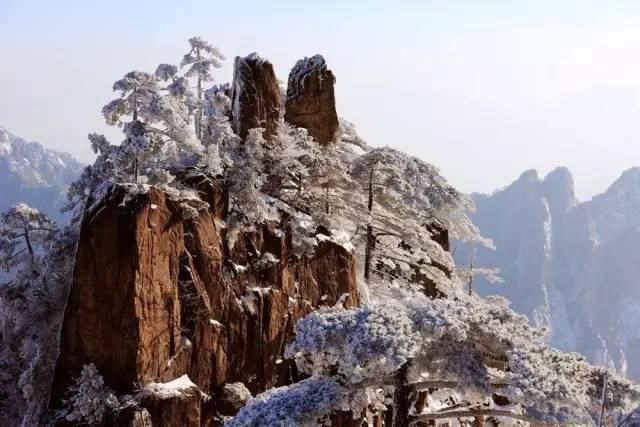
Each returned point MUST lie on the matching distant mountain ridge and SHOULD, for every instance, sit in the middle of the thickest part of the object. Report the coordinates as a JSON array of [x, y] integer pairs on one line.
[[571, 266], [33, 174]]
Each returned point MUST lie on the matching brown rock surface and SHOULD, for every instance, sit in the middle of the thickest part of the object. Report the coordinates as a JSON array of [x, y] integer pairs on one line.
[[170, 411], [255, 96], [310, 101], [439, 234], [156, 296], [123, 312]]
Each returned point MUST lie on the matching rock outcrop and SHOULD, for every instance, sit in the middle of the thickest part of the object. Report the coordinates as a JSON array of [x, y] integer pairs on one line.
[[158, 294], [255, 96], [439, 233], [310, 101]]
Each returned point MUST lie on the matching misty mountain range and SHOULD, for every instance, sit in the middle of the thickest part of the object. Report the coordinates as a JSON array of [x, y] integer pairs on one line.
[[570, 266], [33, 174]]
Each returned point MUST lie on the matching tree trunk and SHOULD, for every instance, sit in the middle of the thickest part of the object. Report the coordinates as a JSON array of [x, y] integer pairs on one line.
[[368, 249], [198, 117], [27, 240], [326, 200], [135, 169], [370, 239], [135, 104], [604, 399], [370, 204], [401, 400], [473, 255]]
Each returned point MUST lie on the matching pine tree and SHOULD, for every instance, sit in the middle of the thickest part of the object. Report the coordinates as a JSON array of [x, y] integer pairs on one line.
[[200, 59], [24, 234]]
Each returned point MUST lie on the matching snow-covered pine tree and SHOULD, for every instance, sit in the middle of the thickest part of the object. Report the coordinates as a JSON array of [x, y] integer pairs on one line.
[[25, 233], [158, 129], [200, 60], [284, 163], [484, 360], [89, 398], [246, 178]]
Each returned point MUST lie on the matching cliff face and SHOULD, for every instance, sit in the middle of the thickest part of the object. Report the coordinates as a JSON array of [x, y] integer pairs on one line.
[[568, 264], [310, 101], [157, 295], [255, 96]]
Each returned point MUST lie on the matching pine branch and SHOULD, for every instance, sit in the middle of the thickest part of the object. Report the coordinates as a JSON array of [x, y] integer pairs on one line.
[[476, 413]]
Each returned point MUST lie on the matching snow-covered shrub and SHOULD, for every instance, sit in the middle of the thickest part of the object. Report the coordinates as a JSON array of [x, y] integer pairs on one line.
[[300, 404], [89, 398], [246, 177], [358, 344], [25, 235]]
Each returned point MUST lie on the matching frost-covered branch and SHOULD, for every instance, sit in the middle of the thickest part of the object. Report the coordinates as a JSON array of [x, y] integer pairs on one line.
[[476, 413]]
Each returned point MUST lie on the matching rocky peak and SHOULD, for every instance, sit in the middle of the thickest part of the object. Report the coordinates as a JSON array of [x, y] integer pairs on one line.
[[310, 100], [255, 96], [629, 182], [618, 208], [559, 191], [527, 178], [555, 190], [157, 294]]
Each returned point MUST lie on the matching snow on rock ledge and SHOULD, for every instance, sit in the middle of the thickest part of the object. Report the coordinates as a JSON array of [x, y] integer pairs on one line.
[[178, 388]]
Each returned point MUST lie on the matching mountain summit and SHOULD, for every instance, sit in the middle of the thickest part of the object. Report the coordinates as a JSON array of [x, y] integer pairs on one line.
[[33, 174]]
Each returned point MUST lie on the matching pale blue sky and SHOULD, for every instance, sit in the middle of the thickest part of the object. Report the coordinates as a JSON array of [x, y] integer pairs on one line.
[[483, 89]]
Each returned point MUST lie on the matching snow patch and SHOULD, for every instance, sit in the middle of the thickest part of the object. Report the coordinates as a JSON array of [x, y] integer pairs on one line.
[[215, 323], [178, 388]]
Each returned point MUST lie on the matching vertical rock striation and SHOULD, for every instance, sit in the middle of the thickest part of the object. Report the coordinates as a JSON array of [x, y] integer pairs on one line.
[[255, 96], [310, 101]]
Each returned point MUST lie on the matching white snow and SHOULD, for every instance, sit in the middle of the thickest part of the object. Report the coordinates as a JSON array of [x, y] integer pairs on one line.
[[339, 237], [215, 323], [238, 268], [301, 70], [180, 387]]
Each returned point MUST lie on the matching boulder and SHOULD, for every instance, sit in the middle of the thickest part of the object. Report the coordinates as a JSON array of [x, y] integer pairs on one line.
[[175, 403], [255, 96], [310, 100], [231, 398]]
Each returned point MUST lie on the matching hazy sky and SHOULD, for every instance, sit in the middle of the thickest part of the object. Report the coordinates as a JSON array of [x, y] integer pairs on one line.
[[482, 88]]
